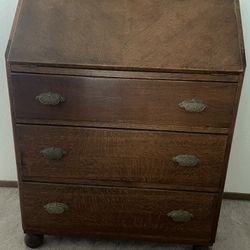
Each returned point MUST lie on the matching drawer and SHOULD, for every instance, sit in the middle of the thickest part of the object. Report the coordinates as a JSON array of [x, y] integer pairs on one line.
[[124, 103], [123, 212], [125, 157]]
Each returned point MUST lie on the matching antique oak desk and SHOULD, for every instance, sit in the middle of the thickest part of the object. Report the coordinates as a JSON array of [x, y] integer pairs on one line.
[[123, 115]]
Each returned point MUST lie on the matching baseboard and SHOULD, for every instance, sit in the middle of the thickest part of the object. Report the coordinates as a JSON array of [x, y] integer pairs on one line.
[[236, 196], [10, 184], [227, 195]]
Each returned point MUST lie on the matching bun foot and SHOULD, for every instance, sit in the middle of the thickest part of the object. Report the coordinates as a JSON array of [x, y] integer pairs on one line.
[[33, 240], [201, 247]]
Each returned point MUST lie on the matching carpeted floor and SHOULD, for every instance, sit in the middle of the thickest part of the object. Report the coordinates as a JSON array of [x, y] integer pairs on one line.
[[233, 232]]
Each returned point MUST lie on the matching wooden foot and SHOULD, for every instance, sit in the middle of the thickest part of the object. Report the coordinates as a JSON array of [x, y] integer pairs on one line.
[[201, 247], [33, 240]]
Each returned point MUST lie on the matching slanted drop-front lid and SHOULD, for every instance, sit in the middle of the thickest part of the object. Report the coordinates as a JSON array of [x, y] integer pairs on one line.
[[159, 35]]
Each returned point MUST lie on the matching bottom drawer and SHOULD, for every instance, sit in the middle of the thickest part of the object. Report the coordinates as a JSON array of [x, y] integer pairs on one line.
[[174, 216]]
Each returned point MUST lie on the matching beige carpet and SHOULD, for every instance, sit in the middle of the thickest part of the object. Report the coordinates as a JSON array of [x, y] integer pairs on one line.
[[233, 232]]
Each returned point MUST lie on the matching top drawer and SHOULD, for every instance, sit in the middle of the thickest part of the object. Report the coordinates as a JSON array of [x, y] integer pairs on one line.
[[124, 103]]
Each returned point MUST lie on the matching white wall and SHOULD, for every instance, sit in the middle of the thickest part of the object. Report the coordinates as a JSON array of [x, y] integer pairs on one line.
[[7, 157], [238, 179]]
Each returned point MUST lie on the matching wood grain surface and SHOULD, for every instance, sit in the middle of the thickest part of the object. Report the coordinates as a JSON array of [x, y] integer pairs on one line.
[[140, 213], [126, 34], [181, 76], [123, 156], [124, 103], [123, 67]]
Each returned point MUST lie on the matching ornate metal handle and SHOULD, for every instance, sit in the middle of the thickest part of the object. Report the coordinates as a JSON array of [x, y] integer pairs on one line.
[[186, 160], [51, 99], [180, 216], [193, 105], [53, 153], [56, 208]]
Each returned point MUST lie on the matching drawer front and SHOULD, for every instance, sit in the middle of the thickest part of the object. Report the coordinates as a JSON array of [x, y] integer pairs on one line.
[[124, 103], [135, 213], [67, 154]]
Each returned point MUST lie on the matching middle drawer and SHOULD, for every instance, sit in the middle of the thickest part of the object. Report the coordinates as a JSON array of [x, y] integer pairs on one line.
[[121, 157]]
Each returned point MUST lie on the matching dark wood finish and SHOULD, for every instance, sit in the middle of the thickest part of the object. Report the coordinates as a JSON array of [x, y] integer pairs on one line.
[[124, 103], [33, 240], [226, 195], [9, 184], [118, 211], [209, 77], [122, 156], [158, 35], [192, 44], [229, 144]]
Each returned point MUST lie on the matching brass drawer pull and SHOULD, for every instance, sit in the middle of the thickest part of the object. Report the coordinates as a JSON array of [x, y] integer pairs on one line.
[[193, 105], [180, 216], [53, 153], [56, 208], [51, 99], [186, 160]]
